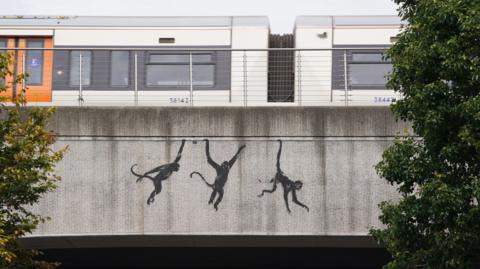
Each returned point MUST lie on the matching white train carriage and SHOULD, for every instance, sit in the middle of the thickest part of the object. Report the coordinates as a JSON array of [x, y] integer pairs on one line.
[[201, 61], [348, 67], [138, 60]]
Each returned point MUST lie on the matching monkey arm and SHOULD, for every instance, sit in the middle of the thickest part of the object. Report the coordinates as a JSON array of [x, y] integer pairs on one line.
[[295, 200], [285, 197], [209, 159], [234, 158], [278, 155], [179, 154]]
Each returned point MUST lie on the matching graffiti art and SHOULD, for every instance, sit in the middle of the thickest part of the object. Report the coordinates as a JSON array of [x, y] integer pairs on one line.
[[159, 174], [222, 175], [289, 186]]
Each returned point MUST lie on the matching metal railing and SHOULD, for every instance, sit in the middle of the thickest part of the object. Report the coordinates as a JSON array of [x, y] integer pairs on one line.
[[204, 77]]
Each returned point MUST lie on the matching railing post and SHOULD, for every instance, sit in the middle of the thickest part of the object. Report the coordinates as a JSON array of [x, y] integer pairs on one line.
[[136, 78], [333, 57], [191, 79], [80, 89], [232, 57], [245, 80], [24, 82], [345, 70], [299, 63]]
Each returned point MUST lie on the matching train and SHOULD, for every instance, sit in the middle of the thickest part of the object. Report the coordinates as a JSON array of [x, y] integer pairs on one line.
[[200, 61]]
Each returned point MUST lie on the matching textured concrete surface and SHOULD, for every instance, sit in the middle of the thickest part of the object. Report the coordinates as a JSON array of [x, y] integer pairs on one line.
[[331, 150], [227, 122]]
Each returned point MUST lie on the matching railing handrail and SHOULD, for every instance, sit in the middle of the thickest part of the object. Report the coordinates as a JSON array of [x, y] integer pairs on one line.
[[199, 49]]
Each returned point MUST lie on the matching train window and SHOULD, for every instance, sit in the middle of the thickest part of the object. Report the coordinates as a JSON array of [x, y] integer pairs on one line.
[[368, 70], [86, 58], [170, 69], [367, 57], [180, 58], [369, 74], [3, 44], [203, 75], [119, 69], [34, 62]]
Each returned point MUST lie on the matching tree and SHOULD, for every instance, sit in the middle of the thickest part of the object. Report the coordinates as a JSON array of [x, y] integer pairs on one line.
[[436, 67], [26, 170]]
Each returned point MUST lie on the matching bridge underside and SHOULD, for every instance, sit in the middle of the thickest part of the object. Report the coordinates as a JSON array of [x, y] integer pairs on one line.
[[182, 251], [338, 258], [112, 241]]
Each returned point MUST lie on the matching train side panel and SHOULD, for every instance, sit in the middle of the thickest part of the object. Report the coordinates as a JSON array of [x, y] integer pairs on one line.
[[313, 68]]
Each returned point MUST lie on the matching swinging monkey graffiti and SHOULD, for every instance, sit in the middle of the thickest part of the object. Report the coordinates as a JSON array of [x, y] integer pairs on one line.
[[287, 184], [163, 172], [222, 175]]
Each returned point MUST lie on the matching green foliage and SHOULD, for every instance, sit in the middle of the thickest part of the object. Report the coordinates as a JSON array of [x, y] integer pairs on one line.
[[26, 171], [436, 222]]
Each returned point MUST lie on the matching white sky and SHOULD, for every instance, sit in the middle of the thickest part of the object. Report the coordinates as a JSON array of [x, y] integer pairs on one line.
[[281, 12]]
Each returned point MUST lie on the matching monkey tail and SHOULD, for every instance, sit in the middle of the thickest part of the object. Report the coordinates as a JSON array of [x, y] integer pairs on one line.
[[279, 154], [140, 177], [201, 176]]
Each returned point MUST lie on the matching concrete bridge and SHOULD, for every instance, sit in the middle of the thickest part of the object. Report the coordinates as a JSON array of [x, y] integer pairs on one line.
[[331, 151]]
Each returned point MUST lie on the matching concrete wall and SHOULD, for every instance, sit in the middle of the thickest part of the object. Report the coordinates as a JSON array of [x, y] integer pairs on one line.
[[331, 150]]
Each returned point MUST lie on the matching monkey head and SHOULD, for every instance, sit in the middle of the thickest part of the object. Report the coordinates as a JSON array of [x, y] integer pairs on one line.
[[298, 185], [226, 165], [175, 167]]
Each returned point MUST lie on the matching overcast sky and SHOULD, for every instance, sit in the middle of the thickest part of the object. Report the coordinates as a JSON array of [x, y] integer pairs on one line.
[[281, 12]]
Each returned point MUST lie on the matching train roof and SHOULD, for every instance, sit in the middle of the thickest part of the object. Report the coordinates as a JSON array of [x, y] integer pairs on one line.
[[135, 21], [339, 21]]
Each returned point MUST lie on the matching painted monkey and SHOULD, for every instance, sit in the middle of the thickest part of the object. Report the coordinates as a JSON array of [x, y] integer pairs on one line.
[[163, 172], [222, 175], [287, 184]]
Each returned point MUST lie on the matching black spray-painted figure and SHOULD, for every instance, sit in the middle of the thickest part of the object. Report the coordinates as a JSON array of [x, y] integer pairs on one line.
[[163, 172], [287, 184], [222, 175]]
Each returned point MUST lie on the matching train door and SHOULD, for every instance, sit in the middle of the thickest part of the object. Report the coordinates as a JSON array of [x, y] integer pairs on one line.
[[7, 43], [36, 63]]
